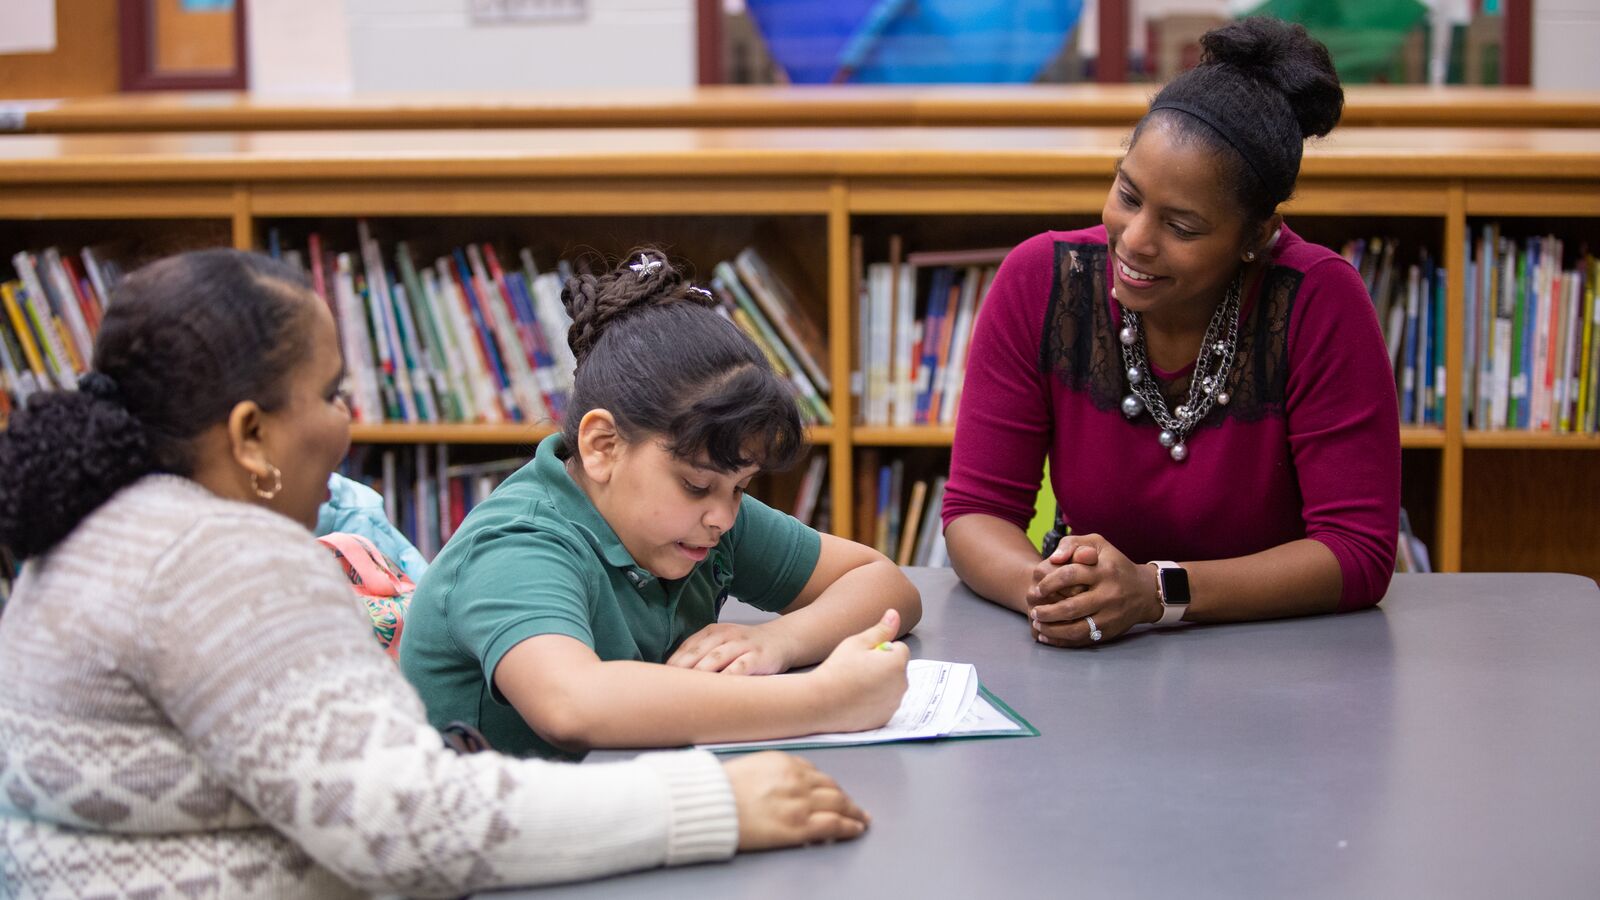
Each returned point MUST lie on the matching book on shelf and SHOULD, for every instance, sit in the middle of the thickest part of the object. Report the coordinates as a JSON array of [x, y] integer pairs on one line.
[[1409, 302], [738, 301], [1530, 354], [426, 495], [805, 340], [914, 327], [930, 547], [866, 496], [810, 490], [461, 340], [1411, 554], [904, 523], [50, 315], [910, 527], [888, 508]]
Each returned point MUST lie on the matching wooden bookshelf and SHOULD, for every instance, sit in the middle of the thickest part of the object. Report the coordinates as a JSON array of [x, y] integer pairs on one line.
[[1419, 437], [809, 190], [915, 436], [509, 434], [1416, 437], [1529, 440], [402, 433], [765, 106]]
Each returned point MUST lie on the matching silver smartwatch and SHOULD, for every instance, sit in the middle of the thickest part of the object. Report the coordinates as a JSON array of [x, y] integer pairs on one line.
[[1172, 586]]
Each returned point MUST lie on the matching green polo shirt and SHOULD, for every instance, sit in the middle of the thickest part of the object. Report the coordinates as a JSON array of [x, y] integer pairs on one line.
[[537, 558]]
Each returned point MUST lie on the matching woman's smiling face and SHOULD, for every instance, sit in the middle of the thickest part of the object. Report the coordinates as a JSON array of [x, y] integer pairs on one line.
[[1176, 234]]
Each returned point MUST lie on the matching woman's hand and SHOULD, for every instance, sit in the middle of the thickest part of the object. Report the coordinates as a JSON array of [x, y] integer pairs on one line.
[[1115, 590], [864, 677], [783, 800], [736, 649], [1051, 581]]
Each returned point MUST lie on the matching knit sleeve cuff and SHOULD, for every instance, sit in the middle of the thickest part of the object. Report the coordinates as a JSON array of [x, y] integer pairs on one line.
[[705, 824]]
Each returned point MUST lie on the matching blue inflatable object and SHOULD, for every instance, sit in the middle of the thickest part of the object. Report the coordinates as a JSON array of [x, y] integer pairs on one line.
[[914, 41]]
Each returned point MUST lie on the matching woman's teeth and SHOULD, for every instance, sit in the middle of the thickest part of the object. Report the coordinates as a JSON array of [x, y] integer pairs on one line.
[[1133, 274]]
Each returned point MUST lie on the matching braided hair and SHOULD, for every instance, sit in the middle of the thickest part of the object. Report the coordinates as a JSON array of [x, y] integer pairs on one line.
[[184, 340], [653, 351], [1263, 86]]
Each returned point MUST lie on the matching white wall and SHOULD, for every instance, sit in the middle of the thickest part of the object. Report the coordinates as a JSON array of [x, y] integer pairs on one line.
[[299, 47], [1565, 35], [425, 45]]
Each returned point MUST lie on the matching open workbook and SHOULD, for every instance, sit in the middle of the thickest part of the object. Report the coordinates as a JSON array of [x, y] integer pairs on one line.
[[942, 700]]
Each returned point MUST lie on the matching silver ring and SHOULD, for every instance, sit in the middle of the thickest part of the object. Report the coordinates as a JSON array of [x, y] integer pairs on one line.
[[1094, 630]]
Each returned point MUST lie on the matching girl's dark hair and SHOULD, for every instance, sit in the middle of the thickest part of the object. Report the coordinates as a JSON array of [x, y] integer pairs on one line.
[[184, 340], [1262, 87], [653, 351]]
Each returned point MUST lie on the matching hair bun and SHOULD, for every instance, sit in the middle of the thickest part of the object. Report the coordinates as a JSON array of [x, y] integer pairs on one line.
[[99, 386], [1281, 55], [64, 453], [645, 278]]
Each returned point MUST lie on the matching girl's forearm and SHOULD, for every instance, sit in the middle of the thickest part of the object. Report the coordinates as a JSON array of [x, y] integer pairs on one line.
[[636, 704], [855, 601]]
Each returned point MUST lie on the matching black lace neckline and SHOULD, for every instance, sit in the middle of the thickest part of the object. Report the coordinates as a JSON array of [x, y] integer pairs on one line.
[[1081, 350]]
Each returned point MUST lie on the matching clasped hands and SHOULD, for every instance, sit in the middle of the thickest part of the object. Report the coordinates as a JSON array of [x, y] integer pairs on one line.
[[1086, 576]]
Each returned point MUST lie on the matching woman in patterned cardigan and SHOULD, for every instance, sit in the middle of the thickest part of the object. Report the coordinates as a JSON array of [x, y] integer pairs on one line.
[[193, 704]]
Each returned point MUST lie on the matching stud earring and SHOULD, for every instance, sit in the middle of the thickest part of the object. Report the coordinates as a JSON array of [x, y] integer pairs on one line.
[[1249, 256], [277, 483]]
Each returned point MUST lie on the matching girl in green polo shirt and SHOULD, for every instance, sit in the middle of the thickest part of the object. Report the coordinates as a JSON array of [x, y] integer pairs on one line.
[[577, 606]]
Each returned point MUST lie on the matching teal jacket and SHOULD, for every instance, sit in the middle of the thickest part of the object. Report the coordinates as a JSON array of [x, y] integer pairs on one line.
[[358, 509]]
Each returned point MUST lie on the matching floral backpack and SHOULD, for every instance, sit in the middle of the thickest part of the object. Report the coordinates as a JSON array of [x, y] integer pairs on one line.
[[378, 582]]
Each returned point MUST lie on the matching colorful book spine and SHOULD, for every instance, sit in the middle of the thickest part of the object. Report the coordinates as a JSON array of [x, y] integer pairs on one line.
[[461, 276], [36, 303], [386, 325], [361, 373], [24, 333]]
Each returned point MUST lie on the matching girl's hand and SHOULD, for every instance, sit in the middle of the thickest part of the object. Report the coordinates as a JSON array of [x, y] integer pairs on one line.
[[783, 800], [1115, 590], [735, 649], [861, 683]]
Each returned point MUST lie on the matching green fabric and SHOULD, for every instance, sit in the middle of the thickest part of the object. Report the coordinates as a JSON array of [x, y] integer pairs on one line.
[[1044, 511], [1363, 36], [537, 558]]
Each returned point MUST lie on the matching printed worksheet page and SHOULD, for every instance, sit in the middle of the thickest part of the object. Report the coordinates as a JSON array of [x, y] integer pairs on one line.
[[938, 697]]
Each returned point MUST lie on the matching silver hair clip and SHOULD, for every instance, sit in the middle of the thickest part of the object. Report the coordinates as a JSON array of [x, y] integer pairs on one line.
[[702, 292], [646, 266]]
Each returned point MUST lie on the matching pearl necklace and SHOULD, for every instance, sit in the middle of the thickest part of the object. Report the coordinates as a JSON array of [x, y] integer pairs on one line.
[[1207, 385]]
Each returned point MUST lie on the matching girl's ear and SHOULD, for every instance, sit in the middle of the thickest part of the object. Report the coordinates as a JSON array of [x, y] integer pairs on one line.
[[600, 445], [245, 441]]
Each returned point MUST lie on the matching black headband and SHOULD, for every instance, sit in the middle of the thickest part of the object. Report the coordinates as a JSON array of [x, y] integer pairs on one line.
[[1236, 142]]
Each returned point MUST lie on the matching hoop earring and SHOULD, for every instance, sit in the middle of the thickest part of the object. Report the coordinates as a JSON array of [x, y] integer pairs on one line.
[[277, 483]]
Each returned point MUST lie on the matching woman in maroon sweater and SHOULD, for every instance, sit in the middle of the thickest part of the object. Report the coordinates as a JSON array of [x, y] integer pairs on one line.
[[1209, 388]]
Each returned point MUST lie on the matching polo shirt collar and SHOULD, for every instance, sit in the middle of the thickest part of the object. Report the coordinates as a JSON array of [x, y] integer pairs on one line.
[[576, 507]]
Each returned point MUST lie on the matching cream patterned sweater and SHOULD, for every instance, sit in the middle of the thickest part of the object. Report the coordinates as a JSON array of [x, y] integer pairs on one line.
[[192, 705]]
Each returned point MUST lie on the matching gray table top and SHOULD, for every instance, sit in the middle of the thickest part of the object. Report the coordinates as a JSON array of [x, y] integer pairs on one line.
[[1446, 744]]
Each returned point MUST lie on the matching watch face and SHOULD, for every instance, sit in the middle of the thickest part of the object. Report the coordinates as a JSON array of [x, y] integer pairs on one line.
[[1174, 586]]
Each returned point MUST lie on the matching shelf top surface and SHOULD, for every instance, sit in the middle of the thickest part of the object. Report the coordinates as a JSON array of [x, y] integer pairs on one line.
[[1366, 153], [731, 105]]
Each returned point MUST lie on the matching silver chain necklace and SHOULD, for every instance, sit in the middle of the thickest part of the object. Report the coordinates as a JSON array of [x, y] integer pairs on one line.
[[1207, 385]]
